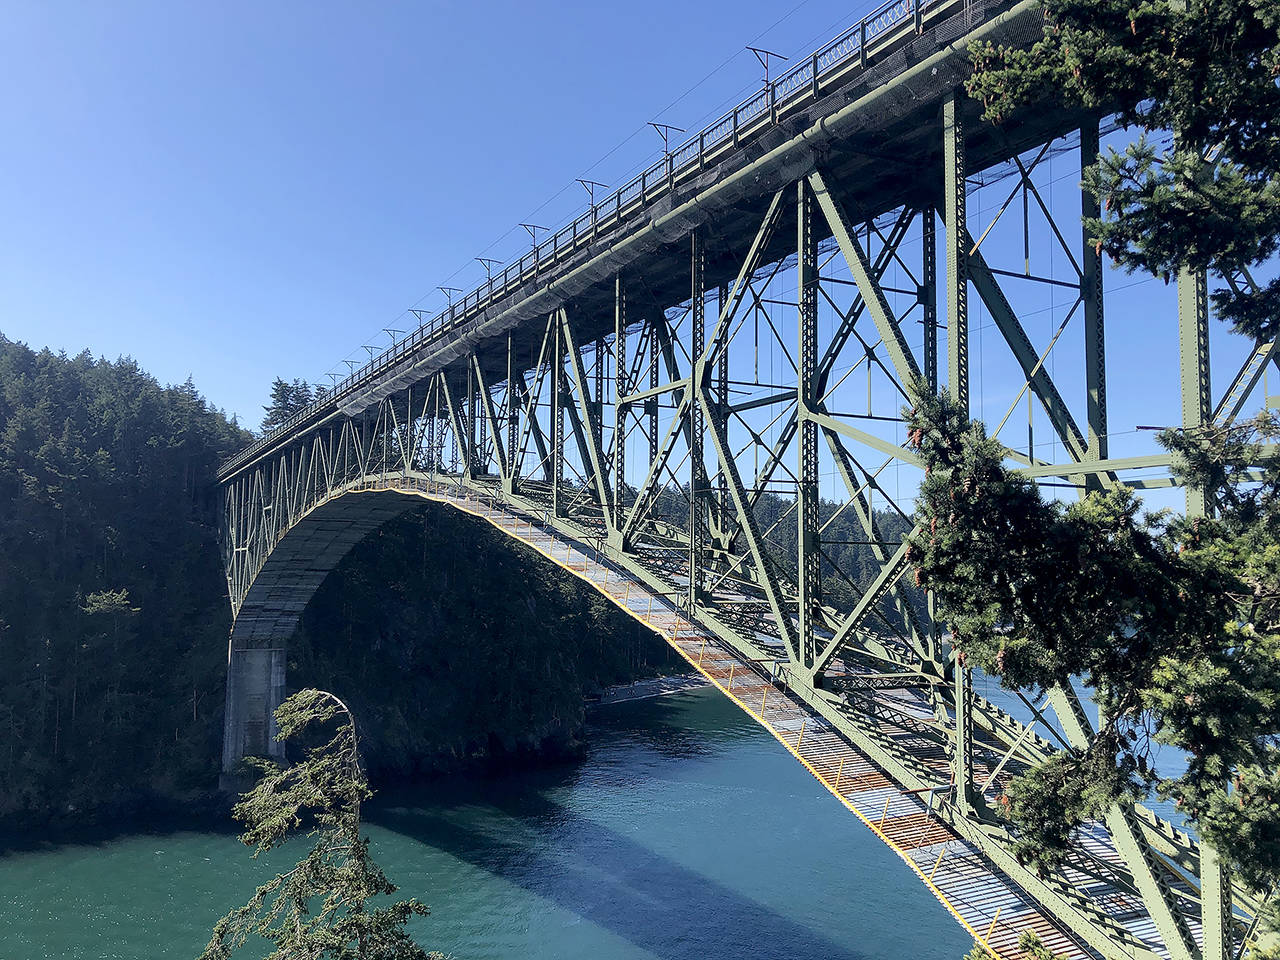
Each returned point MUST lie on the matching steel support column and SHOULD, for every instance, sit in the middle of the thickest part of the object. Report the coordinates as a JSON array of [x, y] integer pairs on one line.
[[722, 399], [1193, 352], [808, 563], [1095, 351], [651, 405], [1215, 905], [697, 478], [620, 390], [1197, 411], [512, 479], [928, 293], [955, 185], [557, 416]]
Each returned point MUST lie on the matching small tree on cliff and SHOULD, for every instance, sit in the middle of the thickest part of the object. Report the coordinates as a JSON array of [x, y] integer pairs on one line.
[[322, 907]]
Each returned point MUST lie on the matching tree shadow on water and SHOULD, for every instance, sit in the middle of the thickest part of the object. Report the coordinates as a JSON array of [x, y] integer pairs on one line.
[[611, 880]]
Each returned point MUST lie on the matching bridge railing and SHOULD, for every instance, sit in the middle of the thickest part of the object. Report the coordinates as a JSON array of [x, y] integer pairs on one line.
[[844, 56]]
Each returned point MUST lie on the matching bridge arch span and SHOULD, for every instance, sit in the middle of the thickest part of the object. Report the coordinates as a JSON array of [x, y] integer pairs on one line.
[[303, 552], [268, 611]]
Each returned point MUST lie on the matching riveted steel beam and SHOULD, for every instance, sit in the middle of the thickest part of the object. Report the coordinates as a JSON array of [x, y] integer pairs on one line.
[[954, 191]]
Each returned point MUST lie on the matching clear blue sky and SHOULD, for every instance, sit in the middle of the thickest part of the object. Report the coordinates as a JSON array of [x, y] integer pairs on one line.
[[236, 191], [240, 191]]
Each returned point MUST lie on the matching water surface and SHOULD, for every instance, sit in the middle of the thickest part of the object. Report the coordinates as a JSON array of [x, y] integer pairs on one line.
[[686, 833]]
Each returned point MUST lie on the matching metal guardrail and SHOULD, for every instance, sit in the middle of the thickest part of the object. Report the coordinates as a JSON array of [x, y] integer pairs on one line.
[[801, 84]]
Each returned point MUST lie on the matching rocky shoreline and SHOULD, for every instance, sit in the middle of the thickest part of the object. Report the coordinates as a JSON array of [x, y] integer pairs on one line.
[[644, 689]]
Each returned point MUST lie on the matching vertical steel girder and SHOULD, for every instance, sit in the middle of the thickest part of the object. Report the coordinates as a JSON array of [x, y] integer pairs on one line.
[[651, 405], [511, 407], [1197, 411], [954, 186], [557, 418], [697, 478], [620, 389], [808, 563], [471, 406], [1193, 353], [1095, 348], [929, 294]]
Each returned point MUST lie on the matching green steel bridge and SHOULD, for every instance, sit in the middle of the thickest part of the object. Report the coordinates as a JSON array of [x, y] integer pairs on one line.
[[732, 331]]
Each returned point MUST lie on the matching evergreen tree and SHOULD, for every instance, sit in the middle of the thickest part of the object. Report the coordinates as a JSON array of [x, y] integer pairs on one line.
[[287, 399], [323, 906], [1172, 623], [1171, 620], [1200, 186]]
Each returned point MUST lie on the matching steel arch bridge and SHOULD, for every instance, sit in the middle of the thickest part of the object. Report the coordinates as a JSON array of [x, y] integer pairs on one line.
[[677, 395]]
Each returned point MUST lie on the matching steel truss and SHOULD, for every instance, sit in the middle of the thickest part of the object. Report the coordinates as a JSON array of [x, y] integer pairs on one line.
[[646, 428]]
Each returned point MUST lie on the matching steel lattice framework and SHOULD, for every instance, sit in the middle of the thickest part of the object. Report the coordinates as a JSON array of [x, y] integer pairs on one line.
[[682, 392]]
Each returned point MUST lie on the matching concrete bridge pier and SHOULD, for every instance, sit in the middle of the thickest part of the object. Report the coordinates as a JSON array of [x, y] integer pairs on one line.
[[255, 687]]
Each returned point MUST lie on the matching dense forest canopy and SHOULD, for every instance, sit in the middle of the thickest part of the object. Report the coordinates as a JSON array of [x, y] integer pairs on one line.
[[113, 612]]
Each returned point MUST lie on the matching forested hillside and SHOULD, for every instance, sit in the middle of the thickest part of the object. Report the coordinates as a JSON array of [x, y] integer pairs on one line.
[[113, 612]]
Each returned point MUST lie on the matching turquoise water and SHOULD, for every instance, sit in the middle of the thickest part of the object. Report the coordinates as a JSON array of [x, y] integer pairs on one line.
[[686, 833]]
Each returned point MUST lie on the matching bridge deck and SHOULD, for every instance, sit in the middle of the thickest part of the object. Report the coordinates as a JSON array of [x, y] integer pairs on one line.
[[728, 169], [990, 906]]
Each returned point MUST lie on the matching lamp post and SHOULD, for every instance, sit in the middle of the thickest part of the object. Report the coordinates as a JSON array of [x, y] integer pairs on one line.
[[590, 187], [533, 229], [664, 131], [763, 56], [488, 263], [448, 295]]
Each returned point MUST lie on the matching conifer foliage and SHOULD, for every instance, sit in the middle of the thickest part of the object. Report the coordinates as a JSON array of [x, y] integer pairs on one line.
[[1170, 622], [288, 398], [1199, 187], [325, 906]]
